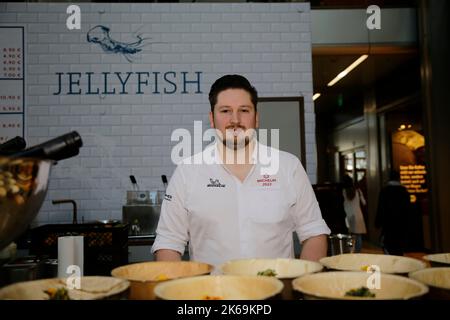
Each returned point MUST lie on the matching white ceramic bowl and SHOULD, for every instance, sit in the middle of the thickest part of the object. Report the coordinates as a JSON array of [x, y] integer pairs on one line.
[[335, 285], [219, 287], [362, 261]]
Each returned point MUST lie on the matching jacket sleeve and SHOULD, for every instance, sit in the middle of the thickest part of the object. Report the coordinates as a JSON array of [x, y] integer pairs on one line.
[[172, 231]]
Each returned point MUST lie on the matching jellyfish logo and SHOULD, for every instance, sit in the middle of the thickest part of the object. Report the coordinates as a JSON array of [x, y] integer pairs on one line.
[[100, 34]]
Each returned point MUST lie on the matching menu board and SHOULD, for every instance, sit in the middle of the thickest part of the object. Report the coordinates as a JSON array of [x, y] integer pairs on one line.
[[413, 177], [12, 82]]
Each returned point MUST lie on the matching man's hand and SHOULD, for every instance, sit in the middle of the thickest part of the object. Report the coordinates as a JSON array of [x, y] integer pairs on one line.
[[314, 248], [167, 255]]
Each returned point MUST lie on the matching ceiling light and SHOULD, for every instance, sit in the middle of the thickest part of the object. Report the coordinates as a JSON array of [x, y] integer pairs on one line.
[[315, 96], [347, 70]]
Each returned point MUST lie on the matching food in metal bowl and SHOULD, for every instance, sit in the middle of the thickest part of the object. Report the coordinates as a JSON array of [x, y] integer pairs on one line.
[[91, 288], [144, 276], [23, 185], [338, 285], [220, 287], [367, 262]]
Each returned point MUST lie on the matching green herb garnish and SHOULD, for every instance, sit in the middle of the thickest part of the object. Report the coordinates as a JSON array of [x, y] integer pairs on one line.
[[267, 272], [360, 292]]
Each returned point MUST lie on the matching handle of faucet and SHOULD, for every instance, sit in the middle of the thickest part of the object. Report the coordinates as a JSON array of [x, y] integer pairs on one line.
[[74, 204]]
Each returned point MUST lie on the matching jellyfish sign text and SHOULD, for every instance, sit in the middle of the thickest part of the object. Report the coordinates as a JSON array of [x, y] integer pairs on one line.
[[137, 82]]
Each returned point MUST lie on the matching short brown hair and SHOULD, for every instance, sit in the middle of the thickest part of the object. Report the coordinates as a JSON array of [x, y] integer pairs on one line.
[[231, 81]]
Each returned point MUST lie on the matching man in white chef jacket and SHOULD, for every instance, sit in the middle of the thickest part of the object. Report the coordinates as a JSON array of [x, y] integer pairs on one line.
[[228, 203]]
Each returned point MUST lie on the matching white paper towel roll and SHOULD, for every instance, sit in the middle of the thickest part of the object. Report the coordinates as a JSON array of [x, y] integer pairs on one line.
[[70, 253]]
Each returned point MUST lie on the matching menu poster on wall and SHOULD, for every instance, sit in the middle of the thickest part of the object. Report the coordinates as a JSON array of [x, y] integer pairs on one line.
[[12, 85], [408, 155], [413, 177], [11, 125]]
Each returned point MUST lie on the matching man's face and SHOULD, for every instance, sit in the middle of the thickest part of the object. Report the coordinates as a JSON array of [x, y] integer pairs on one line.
[[234, 114]]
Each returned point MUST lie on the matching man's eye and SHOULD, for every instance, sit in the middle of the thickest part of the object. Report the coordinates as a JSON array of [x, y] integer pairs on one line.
[[245, 110], [225, 111]]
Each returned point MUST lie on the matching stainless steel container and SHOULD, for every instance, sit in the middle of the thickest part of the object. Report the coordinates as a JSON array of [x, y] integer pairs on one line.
[[142, 211], [143, 219], [20, 269], [340, 244], [137, 197]]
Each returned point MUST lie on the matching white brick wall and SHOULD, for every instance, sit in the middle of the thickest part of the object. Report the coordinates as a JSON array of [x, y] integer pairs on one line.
[[129, 134]]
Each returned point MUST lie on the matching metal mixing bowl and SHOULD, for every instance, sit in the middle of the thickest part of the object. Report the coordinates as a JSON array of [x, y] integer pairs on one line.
[[23, 185]]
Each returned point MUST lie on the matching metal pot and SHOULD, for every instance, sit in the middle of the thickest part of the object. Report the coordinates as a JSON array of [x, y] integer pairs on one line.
[[138, 197], [28, 268], [20, 269], [49, 268], [341, 243]]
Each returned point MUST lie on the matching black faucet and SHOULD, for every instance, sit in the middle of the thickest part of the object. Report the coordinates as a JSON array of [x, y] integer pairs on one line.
[[74, 215]]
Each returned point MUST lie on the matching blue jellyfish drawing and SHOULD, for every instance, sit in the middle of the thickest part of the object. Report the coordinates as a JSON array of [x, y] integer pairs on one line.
[[100, 34]]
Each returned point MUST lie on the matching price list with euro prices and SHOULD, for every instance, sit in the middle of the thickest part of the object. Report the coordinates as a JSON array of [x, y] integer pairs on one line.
[[12, 85]]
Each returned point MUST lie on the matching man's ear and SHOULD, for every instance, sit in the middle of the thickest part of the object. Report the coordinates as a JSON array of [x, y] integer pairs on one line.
[[257, 120], [211, 119]]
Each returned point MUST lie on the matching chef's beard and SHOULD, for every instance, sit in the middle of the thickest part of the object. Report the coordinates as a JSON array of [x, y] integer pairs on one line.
[[233, 142]]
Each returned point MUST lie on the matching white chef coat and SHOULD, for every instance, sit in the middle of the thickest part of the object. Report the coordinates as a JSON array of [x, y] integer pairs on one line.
[[223, 218]]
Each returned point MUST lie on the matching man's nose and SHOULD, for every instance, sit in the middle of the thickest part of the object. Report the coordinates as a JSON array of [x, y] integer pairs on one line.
[[235, 118]]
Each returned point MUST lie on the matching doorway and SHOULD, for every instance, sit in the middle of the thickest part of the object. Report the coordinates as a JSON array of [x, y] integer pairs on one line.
[[403, 151]]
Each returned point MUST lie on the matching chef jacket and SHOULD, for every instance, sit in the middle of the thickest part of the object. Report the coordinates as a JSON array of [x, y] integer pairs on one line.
[[223, 218]]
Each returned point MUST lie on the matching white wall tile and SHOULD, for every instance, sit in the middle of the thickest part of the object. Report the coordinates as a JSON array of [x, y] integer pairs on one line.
[[269, 43]]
